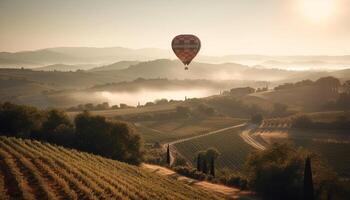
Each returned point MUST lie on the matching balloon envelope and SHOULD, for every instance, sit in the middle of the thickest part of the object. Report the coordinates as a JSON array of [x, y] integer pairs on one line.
[[186, 47]]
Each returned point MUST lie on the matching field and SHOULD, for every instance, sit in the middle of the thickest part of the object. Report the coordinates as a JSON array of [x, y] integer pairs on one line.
[[229, 143], [333, 146], [170, 130], [299, 98], [35, 170], [131, 111]]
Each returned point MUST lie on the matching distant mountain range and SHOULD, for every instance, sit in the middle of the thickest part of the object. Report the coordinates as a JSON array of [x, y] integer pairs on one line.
[[49, 87], [105, 56], [65, 67], [79, 55]]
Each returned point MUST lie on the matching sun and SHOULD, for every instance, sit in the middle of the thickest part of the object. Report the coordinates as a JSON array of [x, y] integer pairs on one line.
[[317, 10]]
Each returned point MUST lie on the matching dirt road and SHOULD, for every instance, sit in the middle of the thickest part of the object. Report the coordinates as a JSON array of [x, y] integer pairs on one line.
[[246, 135], [231, 192]]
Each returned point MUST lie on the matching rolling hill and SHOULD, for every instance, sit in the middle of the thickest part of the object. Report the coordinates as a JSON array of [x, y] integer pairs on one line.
[[64, 67], [233, 149], [79, 55], [34, 170], [106, 55], [115, 66]]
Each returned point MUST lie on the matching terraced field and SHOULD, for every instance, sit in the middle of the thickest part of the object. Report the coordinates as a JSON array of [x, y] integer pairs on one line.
[[234, 150], [35, 170]]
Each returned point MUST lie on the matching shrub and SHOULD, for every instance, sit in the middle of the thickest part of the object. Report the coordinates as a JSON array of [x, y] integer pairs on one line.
[[190, 172]]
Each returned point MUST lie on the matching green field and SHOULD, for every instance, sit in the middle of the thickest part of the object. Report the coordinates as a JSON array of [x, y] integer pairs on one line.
[[34, 170], [231, 146]]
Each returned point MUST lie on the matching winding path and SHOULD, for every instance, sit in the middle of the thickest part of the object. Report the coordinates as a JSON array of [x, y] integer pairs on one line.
[[173, 148], [206, 134], [246, 136]]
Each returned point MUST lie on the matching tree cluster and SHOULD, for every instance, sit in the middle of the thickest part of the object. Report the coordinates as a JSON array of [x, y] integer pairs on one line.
[[101, 106], [94, 134], [326, 83], [206, 161], [305, 122], [284, 172], [341, 103]]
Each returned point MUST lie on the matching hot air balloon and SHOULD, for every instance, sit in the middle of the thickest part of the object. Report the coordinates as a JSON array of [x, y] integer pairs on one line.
[[186, 47]]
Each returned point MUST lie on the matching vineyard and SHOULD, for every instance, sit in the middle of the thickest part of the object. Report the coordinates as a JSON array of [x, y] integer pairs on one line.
[[34, 170], [333, 147], [170, 130], [231, 146]]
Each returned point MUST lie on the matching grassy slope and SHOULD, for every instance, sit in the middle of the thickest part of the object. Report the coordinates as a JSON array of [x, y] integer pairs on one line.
[[34, 170], [233, 149], [307, 97], [170, 130], [332, 145]]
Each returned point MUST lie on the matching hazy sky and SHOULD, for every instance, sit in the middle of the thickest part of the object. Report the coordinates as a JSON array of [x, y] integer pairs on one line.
[[224, 26]]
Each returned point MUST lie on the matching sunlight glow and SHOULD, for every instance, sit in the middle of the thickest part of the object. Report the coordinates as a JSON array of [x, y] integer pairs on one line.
[[317, 10]]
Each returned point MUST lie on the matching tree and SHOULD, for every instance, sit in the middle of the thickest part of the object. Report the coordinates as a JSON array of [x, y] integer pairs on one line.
[[279, 110], [115, 140], [168, 155], [183, 111], [204, 166], [211, 155], [346, 86], [19, 120], [212, 167], [308, 183], [199, 162], [302, 121], [277, 172], [343, 101], [54, 119], [63, 135], [256, 118], [329, 82], [201, 155]]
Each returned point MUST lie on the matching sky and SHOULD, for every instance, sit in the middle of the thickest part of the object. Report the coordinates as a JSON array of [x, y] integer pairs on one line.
[[270, 27]]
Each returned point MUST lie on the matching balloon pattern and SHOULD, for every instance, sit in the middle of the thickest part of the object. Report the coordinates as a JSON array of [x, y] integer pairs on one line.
[[186, 47]]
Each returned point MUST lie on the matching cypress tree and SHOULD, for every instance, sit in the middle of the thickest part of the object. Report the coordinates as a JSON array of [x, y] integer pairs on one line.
[[212, 167], [199, 162], [308, 183], [204, 166], [168, 155]]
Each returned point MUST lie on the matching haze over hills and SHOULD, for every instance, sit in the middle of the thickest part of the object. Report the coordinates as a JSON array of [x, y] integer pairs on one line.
[[65, 67], [115, 66], [79, 55], [108, 55]]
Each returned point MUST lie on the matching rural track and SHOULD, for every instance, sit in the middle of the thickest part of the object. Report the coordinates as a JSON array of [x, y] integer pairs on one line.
[[231, 192], [246, 136], [205, 134]]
